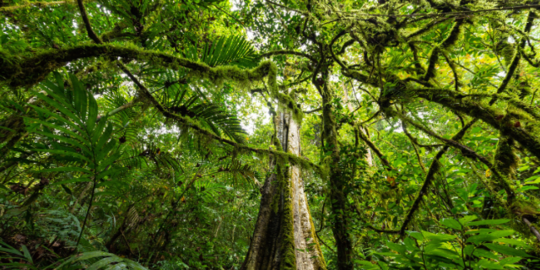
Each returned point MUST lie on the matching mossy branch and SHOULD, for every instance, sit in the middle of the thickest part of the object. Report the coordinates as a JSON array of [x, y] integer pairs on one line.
[[375, 149], [87, 24], [445, 44], [517, 57], [467, 152], [427, 27], [489, 115], [454, 71], [414, 143], [40, 4]]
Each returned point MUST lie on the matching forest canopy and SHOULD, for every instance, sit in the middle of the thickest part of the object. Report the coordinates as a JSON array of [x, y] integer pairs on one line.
[[270, 134]]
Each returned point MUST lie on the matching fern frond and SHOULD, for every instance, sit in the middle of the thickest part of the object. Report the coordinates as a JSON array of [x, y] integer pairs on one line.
[[230, 50]]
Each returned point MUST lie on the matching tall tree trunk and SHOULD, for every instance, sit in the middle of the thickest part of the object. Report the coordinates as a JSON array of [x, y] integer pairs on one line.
[[338, 196], [284, 236]]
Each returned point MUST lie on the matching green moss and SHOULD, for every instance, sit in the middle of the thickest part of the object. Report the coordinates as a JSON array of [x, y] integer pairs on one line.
[[433, 59], [505, 163], [505, 160], [288, 102], [288, 253], [447, 42], [317, 246]]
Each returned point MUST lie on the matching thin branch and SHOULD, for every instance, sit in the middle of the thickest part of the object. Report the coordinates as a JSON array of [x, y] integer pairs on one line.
[[312, 111], [532, 228], [87, 24], [430, 15], [32, 4], [375, 149]]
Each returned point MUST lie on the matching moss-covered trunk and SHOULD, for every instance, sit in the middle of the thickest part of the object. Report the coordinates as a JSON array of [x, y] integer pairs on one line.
[[340, 213], [284, 236]]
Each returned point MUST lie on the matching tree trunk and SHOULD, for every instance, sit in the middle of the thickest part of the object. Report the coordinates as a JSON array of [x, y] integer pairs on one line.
[[284, 236], [338, 196]]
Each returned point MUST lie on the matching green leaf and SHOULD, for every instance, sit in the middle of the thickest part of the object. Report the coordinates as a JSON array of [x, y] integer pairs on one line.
[[507, 250], [60, 107], [108, 147], [110, 160], [92, 114], [57, 116], [92, 254], [410, 245], [18, 265], [512, 242], [416, 235], [71, 153], [366, 265], [383, 265], [509, 260], [484, 253], [66, 189], [73, 180], [64, 152], [27, 254], [105, 137], [103, 262], [535, 179], [502, 233], [451, 223], [99, 129], [525, 188], [134, 265], [467, 219], [108, 172], [399, 248], [489, 265], [84, 256], [468, 249], [14, 251], [66, 140], [65, 130], [477, 239], [80, 97], [488, 222], [439, 237], [118, 266], [67, 169]]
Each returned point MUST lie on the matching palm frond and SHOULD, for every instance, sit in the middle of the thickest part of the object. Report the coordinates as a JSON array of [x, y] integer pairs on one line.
[[180, 100], [230, 50], [144, 156]]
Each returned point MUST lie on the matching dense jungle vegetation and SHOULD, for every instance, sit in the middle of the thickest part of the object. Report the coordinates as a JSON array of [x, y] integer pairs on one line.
[[270, 134]]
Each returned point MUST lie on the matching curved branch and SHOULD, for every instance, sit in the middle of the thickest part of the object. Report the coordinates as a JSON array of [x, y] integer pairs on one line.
[[314, 110], [87, 24], [32, 4], [451, 142], [447, 42], [453, 101], [515, 60], [375, 149]]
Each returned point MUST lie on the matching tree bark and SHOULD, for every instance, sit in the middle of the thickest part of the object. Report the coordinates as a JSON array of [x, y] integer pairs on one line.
[[337, 181], [284, 236]]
